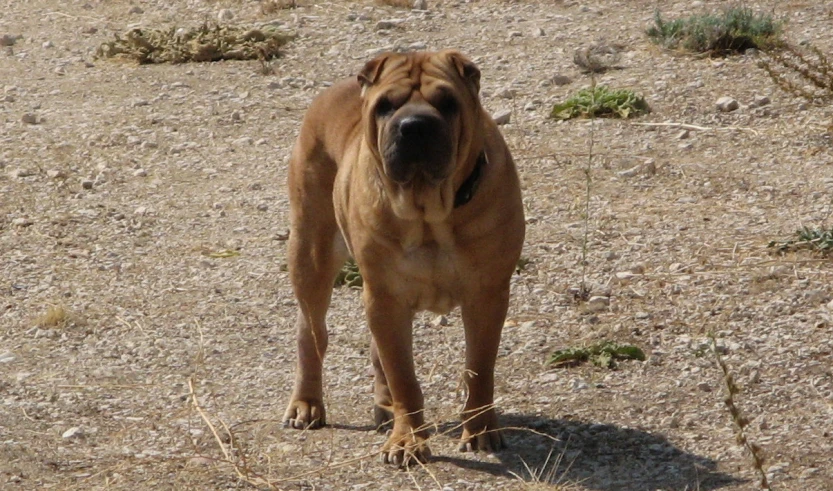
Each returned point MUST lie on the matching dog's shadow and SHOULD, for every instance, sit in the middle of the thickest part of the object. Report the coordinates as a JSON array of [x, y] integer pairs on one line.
[[598, 456]]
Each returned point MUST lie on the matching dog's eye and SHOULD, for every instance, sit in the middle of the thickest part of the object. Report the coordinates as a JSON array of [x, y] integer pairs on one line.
[[384, 107], [447, 105]]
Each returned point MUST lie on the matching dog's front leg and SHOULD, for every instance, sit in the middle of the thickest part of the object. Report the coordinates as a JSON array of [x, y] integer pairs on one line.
[[390, 325], [483, 318]]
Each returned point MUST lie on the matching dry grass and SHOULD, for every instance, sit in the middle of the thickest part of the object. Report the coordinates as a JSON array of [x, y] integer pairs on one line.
[[56, 317], [402, 4]]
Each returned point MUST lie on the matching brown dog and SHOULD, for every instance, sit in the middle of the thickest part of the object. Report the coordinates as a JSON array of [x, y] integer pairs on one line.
[[404, 170]]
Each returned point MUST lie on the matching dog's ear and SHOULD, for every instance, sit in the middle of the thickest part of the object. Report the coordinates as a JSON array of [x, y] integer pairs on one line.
[[467, 70], [371, 71]]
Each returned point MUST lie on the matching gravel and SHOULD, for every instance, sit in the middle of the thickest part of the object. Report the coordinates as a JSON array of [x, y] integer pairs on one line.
[[168, 299]]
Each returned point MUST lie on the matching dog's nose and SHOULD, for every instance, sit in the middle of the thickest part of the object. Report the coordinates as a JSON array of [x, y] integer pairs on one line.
[[417, 126]]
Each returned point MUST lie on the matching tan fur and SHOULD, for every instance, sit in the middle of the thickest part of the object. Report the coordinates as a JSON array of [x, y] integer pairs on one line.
[[414, 249]]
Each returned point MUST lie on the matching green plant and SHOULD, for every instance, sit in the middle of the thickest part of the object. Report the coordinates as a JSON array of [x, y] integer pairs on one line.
[[349, 275], [602, 355], [735, 29], [817, 239], [600, 101]]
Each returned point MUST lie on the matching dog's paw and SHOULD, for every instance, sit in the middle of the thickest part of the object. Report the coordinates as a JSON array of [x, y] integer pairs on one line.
[[304, 415], [485, 440], [481, 433], [405, 449], [383, 418]]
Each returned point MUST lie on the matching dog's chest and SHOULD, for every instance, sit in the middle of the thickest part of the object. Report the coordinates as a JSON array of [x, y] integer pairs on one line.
[[430, 278]]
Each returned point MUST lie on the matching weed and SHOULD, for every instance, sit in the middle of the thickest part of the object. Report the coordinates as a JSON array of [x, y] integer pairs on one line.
[[204, 43], [741, 421], [56, 317], [602, 355], [807, 73], [546, 476], [600, 101], [816, 239], [349, 275], [736, 29]]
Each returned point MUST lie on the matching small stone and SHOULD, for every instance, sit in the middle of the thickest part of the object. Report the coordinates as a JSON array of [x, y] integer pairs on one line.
[[727, 104], [21, 173], [236, 116], [419, 5], [503, 117], [506, 93], [598, 303], [89, 30], [140, 173], [538, 32], [388, 24], [243, 142], [561, 80], [48, 44], [704, 386], [55, 174], [142, 210], [30, 118], [830, 305], [262, 207], [74, 432], [135, 10], [682, 135], [515, 34], [760, 100], [632, 172], [624, 276], [225, 15], [440, 320], [6, 357], [22, 222], [8, 40], [642, 315], [531, 106], [417, 46], [671, 422], [578, 385], [140, 103], [87, 183]]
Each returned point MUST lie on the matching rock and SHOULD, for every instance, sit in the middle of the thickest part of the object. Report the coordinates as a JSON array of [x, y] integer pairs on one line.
[[532, 105], [8, 40], [506, 93], [578, 384], [561, 80], [538, 32], [760, 100], [225, 15], [72, 433], [632, 172], [243, 142], [87, 183], [30, 118], [726, 104], [262, 207], [140, 173], [89, 30], [503, 117], [21, 173], [388, 24], [22, 222], [48, 44], [598, 303], [830, 305], [6, 357], [440, 320], [136, 10], [419, 5], [704, 387], [642, 315], [682, 135], [55, 174]]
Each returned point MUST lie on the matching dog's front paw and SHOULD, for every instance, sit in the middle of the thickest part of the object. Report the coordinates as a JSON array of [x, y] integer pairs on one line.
[[482, 434], [405, 448], [305, 414]]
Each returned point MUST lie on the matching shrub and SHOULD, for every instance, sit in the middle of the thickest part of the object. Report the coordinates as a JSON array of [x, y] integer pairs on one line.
[[734, 30], [600, 101]]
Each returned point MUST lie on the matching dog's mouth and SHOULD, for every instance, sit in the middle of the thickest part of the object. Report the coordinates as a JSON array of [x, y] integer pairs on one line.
[[417, 150]]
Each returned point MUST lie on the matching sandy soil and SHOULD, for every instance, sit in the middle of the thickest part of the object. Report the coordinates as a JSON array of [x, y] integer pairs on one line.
[[149, 203]]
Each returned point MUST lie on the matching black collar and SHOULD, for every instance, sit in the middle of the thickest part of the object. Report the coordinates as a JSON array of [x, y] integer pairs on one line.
[[469, 186]]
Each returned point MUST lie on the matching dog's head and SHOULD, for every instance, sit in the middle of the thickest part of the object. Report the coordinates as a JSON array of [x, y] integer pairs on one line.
[[421, 115]]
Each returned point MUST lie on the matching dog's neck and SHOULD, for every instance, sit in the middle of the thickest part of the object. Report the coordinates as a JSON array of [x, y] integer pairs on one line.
[[466, 191]]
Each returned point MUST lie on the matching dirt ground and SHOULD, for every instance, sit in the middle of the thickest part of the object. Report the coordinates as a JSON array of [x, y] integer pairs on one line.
[[149, 203]]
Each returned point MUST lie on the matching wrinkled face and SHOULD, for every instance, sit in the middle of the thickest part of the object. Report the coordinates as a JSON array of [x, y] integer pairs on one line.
[[420, 111]]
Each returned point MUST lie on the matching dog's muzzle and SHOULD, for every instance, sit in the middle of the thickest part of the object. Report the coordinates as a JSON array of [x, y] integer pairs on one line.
[[418, 146]]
